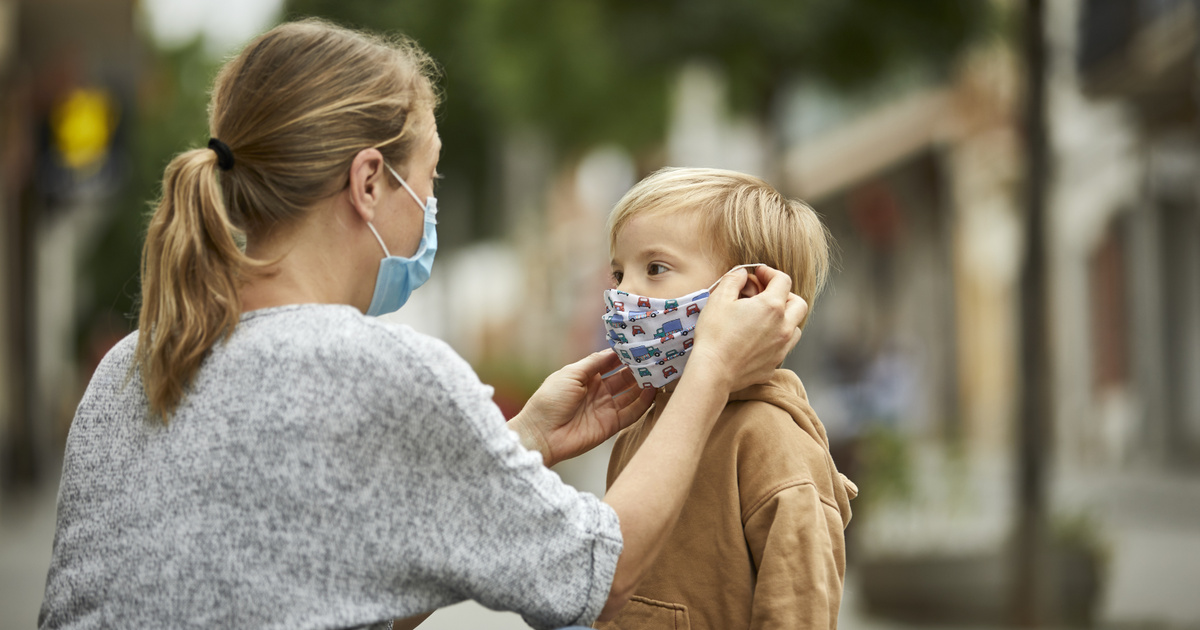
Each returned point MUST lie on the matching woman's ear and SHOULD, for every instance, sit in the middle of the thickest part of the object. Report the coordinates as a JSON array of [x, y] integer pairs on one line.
[[366, 173], [753, 286]]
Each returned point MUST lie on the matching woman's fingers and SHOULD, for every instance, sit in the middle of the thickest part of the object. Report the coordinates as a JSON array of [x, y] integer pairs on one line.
[[776, 282], [629, 397], [632, 403], [730, 283], [795, 311], [625, 396], [618, 383], [794, 340], [601, 362]]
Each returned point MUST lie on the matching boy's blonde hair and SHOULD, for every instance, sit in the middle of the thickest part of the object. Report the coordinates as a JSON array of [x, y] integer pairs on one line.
[[744, 219]]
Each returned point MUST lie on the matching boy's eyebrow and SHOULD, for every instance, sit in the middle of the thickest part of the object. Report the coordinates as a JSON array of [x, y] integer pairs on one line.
[[654, 252], [657, 253]]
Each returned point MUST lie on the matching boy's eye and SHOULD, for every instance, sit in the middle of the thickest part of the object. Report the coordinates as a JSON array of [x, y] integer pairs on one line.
[[654, 269], [616, 277]]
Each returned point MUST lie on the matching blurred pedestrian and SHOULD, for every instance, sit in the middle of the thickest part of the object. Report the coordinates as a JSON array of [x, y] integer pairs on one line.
[[264, 453]]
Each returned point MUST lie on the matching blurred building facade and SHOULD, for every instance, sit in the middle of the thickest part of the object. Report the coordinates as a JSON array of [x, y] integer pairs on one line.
[[1129, 144], [8, 228], [942, 167], [68, 72], [1122, 225]]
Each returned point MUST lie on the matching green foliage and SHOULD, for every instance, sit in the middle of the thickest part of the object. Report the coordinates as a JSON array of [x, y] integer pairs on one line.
[[585, 72], [886, 467], [514, 382], [580, 72], [1082, 531], [588, 71], [171, 118]]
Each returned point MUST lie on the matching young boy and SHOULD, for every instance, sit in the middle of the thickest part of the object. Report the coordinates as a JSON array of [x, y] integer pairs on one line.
[[759, 543]]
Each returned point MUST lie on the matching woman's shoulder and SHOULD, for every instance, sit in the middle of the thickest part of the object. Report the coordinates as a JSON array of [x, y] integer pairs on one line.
[[117, 362], [313, 326], [341, 337]]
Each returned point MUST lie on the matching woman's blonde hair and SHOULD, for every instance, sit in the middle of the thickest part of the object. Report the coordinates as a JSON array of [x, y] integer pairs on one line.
[[294, 108], [744, 220]]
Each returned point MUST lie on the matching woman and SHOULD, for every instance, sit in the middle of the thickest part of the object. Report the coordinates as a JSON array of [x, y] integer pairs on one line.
[[261, 454]]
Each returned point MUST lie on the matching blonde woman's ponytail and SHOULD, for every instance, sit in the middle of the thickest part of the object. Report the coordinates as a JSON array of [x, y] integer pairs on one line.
[[191, 272], [291, 111]]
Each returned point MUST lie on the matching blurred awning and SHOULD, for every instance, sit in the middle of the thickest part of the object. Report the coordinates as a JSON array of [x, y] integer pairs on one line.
[[868, 145], [1144, 51]]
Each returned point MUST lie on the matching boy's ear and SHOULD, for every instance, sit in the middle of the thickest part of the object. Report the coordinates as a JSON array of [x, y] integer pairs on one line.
[[753, 286]]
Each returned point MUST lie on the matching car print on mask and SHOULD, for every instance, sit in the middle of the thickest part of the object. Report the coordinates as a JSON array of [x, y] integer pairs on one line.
[[643, 352], [668, 328]]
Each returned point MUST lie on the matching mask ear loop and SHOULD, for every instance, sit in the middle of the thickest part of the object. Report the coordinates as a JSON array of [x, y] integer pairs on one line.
[[746, 266], [411, 191], [386, 253]]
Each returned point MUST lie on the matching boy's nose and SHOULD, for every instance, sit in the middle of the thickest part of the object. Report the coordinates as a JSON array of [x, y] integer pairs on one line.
[[629, 287]]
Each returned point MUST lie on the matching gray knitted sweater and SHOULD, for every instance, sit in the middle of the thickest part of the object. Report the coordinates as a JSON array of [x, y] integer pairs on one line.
[[325, 470]]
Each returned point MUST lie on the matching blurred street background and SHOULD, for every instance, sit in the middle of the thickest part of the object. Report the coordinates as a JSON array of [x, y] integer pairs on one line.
[[1008, 358]]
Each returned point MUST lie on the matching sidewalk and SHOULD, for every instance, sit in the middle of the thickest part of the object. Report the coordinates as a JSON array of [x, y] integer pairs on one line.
[[1150, 519], [26, 535], [1146, 520]]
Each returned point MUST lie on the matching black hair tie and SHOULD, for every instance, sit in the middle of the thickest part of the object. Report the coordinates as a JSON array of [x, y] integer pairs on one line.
[[224, 153]]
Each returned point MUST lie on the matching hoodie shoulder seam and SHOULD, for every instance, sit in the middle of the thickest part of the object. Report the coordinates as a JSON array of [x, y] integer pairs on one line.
[[780, 487]]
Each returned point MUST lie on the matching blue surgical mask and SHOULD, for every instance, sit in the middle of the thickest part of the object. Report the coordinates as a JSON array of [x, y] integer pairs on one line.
[[399, 276]]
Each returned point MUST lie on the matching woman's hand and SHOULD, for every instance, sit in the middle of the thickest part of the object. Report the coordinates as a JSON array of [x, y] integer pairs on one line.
[[746, 338], [576, 409]]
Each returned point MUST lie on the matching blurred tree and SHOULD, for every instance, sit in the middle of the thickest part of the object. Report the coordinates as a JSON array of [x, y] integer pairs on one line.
[[591, 71], [579, 73], [171, 117], [598, 70]]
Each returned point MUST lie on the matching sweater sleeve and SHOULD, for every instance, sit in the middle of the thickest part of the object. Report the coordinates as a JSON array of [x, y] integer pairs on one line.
[[510, 534], [795, 540]]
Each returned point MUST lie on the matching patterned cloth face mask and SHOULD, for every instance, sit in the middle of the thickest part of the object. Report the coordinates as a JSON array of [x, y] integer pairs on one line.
[[653, 336]]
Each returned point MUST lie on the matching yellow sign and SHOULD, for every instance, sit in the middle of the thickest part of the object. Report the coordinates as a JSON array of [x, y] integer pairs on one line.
[[83, 125]]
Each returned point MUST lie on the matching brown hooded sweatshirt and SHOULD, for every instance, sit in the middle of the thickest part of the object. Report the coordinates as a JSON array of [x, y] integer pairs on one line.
[[759, 543]]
